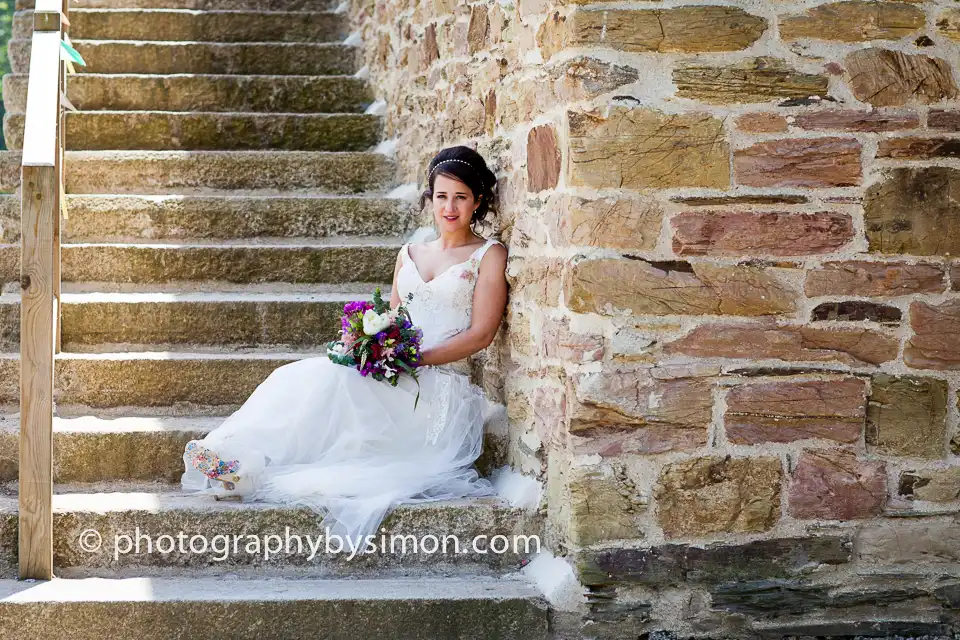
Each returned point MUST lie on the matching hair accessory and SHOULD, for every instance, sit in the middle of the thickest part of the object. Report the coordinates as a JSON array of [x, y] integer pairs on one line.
[[456, 160]]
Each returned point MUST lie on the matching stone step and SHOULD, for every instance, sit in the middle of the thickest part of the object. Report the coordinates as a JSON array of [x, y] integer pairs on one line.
[[126, 218], [174, 320], [152, 383], [216, 173], [144, 92], [118, 510], [162, 130], [273, 58], [323, 261], [330, 260], [212, 319], [148, 448], [213, 172], [199, 5], [402, 609], [88, 449], [196, 26]]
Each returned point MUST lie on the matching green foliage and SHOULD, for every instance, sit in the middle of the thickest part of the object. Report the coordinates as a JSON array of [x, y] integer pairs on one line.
[[6, 29]]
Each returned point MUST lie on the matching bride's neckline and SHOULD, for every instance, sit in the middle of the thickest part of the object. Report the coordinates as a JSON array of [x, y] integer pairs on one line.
[[416, 269]]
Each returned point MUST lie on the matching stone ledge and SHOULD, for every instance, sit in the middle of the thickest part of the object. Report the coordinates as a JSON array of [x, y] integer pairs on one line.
[[204, 92], [173, 514], [131, 56], [94, 609]]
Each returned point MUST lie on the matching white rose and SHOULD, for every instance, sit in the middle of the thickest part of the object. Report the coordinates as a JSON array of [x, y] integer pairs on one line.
[[374, 323], [337, 349]]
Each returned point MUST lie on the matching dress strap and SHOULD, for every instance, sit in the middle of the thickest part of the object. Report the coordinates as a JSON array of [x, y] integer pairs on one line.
[[478, 254]]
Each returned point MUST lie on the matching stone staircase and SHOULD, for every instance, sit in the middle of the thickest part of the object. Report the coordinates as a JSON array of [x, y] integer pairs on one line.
[[224, 201]]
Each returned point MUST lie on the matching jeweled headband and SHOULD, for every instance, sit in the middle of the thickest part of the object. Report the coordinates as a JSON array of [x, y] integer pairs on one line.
[[456, 160]]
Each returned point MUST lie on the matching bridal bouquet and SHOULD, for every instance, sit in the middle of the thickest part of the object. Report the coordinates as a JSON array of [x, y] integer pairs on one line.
[[378, 341]]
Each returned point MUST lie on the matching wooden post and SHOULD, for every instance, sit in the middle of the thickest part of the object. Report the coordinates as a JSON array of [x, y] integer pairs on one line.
[[40, 180], [39, 188]]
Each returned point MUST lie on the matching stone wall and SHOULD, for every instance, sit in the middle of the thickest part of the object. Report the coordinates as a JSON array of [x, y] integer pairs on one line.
[[734, 326]]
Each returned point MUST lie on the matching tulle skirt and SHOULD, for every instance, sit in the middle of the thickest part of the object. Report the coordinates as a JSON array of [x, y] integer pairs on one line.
[[320, 435]]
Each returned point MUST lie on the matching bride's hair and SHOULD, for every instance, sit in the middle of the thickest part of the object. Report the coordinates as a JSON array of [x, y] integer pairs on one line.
[[467, 166]]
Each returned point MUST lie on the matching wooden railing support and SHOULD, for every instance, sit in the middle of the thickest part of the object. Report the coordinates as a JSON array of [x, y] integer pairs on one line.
[[40, 189]]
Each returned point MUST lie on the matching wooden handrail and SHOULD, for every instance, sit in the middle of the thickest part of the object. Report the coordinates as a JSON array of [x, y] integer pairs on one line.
[[41, 183]]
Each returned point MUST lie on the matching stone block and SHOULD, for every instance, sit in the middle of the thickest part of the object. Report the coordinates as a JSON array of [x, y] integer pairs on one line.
[[691, 29], [705, 496], [918, 543], [932, 485], [854, 22], [602, 507], [856, 311], [557, 340], [800, 162], [643, 148], [914, 210], [621, 222], [850, 120], [762, 123], [880, 279], [678, 564], [751, 80], [788, 343], [617, 286], [906, 416], [935, 343], [788, 411], [543, 158], [743, 233], [885, 78], [835, 485], [631, 411]]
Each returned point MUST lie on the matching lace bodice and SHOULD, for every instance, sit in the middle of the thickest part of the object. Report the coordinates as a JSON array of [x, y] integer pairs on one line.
[[442, 307]]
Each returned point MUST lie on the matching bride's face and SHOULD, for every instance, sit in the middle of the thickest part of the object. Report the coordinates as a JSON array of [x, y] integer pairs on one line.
[[453, 203]]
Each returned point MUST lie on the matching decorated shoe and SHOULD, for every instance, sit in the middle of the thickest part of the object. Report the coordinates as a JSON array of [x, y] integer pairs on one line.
[[230, 478]]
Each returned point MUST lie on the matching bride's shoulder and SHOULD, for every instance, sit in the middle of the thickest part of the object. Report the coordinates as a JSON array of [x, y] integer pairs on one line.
[[496, 251]]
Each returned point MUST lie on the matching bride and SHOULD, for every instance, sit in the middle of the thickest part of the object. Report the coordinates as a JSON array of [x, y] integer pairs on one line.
[[320, 435]]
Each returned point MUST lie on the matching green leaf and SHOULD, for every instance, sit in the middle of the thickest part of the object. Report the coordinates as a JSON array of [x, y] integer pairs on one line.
[[71, 54], [403, 365], [378, 303]]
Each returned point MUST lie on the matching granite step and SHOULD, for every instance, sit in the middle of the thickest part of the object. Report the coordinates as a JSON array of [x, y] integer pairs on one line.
[[213, 172], [94, 449], [186, 383], [402, 609], [131, 218], [196, 26], [274, 58], [204, 92], [151, 321], [227, 320], [148, 448], [118, 511], [323, 260], [217, 173], [198, 5], [164, 130]]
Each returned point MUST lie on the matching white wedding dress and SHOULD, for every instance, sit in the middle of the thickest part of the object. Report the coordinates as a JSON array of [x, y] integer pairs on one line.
[[320, 435]]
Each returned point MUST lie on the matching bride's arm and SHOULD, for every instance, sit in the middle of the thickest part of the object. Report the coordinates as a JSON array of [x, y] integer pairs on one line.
[[394, 296], [489, 302]]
